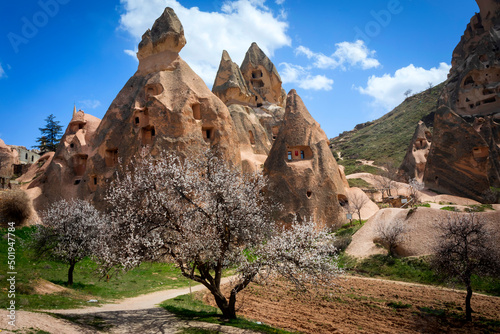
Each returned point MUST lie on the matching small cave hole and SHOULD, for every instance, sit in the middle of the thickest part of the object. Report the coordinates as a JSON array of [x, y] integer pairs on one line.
[[309, 194]]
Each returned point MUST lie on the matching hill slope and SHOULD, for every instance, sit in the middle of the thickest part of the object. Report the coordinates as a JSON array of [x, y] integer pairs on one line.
[[386, 139]]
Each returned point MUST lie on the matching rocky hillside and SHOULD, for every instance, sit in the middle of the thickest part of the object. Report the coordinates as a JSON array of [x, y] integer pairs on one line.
[[386, 139]]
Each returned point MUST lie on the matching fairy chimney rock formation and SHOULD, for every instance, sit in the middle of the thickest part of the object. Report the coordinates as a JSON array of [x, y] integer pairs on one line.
[[262, 78], [303, 174], [465, 155], [414, 162], [64, 172], [165, 105], [161, 44], [229, 84]]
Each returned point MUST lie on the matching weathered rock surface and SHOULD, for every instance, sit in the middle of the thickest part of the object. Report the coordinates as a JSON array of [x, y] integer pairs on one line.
[[261, 103], [465, 155], [230, 85], [37, 169], [254, 143], [262, 77], [303, 174], [64, 173], [8, 158], [413, 165], [164, 106]]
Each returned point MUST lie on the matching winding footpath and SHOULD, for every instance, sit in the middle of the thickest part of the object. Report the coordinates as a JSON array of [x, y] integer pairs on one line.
[[139, 314]]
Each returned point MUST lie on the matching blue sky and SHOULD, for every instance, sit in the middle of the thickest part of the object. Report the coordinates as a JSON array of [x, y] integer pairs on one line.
[[350, 61]]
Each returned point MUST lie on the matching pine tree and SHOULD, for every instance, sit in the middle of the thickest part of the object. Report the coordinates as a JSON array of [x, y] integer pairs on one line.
[[51, 135]]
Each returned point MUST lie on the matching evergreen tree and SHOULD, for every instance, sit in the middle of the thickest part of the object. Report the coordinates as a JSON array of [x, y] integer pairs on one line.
[[51, 135]]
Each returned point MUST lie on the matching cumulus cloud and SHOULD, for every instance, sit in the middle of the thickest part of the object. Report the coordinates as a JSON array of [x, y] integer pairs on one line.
[[355, 54], [388, 90], [303, 78], [89, 104], [233, 29], [279, 2]]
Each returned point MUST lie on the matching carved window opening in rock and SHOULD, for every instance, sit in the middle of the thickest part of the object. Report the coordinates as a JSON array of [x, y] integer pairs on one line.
[[275, 130], [309, 194], [490, 100], [252, 138], [137, 120], [111, 157], [196, 111], [259, 105], [153, 90], [80, 164], [26, 156], [256, 74], [72, 145], [469, 81], [467, 99], [77, 182], [487, 91], [480, 153], [420, 143], [74, 126], [343, 201], [289, 156], [147, 134], [207, 133], [93, 182], [32, 158], [300, 153], [257, 84]]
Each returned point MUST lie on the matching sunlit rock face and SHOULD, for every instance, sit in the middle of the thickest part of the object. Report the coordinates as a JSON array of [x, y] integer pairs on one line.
[[414, 162], [465, 155], [303, 174]]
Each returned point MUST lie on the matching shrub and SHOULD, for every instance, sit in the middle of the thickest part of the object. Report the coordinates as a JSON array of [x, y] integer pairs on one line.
[[15, 206]]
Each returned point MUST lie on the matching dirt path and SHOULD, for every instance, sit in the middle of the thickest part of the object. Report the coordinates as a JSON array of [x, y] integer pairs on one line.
[[139, 314]]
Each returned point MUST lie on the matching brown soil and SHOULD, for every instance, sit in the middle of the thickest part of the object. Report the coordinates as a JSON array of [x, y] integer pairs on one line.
[[363, 305]]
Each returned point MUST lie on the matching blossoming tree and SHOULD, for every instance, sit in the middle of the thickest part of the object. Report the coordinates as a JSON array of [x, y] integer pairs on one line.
[[205, 215]]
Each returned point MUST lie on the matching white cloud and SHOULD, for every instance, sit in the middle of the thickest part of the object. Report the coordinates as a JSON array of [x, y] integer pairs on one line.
[[346, 53], [2, 72], [280, 2], [388, 90], [234, 29], [132, 53], [89, 104], [300, 76]]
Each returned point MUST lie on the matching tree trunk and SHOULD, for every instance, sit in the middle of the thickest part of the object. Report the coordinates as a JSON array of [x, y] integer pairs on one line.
[[468, 308], [228, 308], [70, 272]]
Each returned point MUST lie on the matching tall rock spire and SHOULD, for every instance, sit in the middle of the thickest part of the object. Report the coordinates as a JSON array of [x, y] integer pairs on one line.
[[229, 84], [262, 77], [303, 174]]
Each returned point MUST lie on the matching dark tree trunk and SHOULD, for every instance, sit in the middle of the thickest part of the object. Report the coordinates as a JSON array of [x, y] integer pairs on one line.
[[468, 308], [70, 272], [228, 308]]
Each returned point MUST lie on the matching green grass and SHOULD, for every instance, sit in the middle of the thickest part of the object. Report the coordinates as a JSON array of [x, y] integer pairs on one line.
[[87, 284], [352, 166], [350, 229], [416, 270], [188, 307], [479, 208], [387, 138], [359, 183], [424, 205], [197, 331], [450, 208]]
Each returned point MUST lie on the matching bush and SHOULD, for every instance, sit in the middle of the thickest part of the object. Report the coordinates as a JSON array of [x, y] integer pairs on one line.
[[15, 206], [341, 243]]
